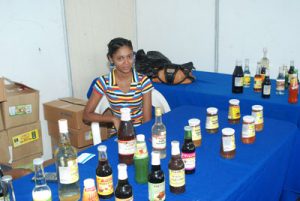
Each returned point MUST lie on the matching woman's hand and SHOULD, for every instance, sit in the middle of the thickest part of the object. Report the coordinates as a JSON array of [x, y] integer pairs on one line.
[[116, 121]]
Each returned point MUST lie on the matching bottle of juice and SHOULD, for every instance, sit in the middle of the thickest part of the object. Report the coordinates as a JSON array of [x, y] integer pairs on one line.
[[141, 160]]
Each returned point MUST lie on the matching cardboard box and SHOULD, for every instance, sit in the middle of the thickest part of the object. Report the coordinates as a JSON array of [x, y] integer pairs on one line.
[[2, 90], [54, 145], [23, 141], [26, 162], [1, 119], [21, 106], [66, 108]]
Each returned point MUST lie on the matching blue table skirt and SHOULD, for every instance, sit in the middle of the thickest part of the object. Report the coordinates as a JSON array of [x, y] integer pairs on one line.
[[256, 173]]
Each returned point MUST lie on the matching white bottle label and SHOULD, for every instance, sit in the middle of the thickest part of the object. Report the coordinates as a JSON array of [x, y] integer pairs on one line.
[[248, 130], [267, 90], [238, 81], [69, 174], [228, 143], [159, 141], [196, 133], [189, 160], [126, 147], [258, 117], [280, 85]]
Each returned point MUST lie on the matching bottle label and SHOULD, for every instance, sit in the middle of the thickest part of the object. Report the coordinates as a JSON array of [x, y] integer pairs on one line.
[[41, 196], [258, 117], [126, 147], [159, 140], [248, 130], [234, 112], [196, 133], [140, 151], [247, 79], [124, 199], [228, 143], [267, 90], [280, 85], [189, 160], [157, 191], [69, 174], [212, 122], [238, 81], [177, 177], [105, 185], [257, 83]]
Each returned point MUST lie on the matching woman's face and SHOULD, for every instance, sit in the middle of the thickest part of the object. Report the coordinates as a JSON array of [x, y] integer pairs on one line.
[[123, 59]]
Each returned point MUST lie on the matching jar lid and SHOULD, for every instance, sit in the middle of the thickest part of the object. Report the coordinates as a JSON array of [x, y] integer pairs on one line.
[[227, 131], [194, 122], [140, 137], [89, 183], [248, 119], [212, 110], [234, 101], [257, 107]]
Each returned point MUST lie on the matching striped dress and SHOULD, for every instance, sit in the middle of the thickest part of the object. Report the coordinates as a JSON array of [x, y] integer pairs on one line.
[[133, 99]]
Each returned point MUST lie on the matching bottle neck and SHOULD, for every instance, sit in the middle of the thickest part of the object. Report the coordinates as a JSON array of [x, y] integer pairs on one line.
[[102, 156], [158, 119], [155, 167], [188, 136], [64, 138], [40, 179]]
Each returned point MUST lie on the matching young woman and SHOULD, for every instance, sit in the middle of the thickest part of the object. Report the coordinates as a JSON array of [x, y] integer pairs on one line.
[[123, 87]]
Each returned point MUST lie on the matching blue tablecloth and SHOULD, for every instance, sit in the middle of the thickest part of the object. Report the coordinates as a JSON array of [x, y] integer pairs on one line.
[[214, 89], [256, 173]]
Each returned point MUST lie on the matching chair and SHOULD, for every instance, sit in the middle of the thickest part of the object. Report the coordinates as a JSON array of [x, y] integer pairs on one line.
[[158, 100]]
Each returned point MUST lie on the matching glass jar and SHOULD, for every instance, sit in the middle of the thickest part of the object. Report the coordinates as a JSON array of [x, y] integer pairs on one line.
[[234, 114], [228, 143], [248, 130], [257, 113], [212, 122], [196, 131]]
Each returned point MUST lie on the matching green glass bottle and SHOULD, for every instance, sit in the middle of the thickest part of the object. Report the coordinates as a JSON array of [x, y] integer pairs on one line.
[[141, 160]]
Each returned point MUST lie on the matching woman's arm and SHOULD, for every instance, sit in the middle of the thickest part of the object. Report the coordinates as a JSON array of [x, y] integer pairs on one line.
[[147, 106]]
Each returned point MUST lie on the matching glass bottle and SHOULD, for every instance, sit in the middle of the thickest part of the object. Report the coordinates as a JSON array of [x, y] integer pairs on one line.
[[123, 190], [89, 191], [228, 143], [188, 154], [176, 170], [280, 82], [41, 191], [258, 79], [159, 134], [266, 87], [7, 180], [263, 72], [286, 77], [247, 74], [291, 70], [156, 179], [104, 175], [237, 78], [265, 61], [141, 160], [66, 166], [126, 138], [3, 187], [293, 89]]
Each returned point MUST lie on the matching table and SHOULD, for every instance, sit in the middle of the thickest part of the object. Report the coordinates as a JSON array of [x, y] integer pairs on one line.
[[214, 89], [256, 173]]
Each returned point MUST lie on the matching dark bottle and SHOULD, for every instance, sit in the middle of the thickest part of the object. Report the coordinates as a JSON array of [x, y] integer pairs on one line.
[[188, 154], [176, 170], [237, 78], [263, 72], [156, 179], [104, 175], [266, 87], [291, 71], [126, 138], [123, 190]]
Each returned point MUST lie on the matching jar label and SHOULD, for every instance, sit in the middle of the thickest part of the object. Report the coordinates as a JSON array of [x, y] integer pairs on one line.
[[124, 199], [90, 194], [140, 151], [159, 140], [105, 185], [228, 143], [247, 79], [238, 81], [212, 122], [177, 177], [234, 112], [196, 133], [257, 83], [267, 90], [157, 191], [126, 147], [189, 160], [248, 130], [279, 85], [69, 174], [258, 117]]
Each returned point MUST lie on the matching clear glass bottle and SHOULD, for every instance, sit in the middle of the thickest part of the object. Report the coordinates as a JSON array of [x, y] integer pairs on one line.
[[188, 151], [237, 78], [126, 138], [89, 191], [280, 81], [141, 160], [265, 61], [266, 86], [67, 166], [156, 179], [104, 174], [247, 74], [41, 191], [7, 180], [159, 134], [123, 190]]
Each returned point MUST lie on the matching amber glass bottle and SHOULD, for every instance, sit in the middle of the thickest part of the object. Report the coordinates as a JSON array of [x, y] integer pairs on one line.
[[188, 154], [123, 190]]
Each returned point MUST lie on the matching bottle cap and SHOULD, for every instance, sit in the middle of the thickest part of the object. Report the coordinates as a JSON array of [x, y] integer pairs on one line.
[[227, 131], [187, 128], [89, 183], [155, 158], [122, 170], [63, 126], [140, 137], [194, 122], [158, 111], [248, 119], [102, 148], [234, 101], [125, 114], [175, 148], [6, 178], [257, 107], [212, 110], [38, 161]]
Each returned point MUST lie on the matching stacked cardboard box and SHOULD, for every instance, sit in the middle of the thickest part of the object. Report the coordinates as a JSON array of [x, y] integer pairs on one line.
[[20, 129]]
